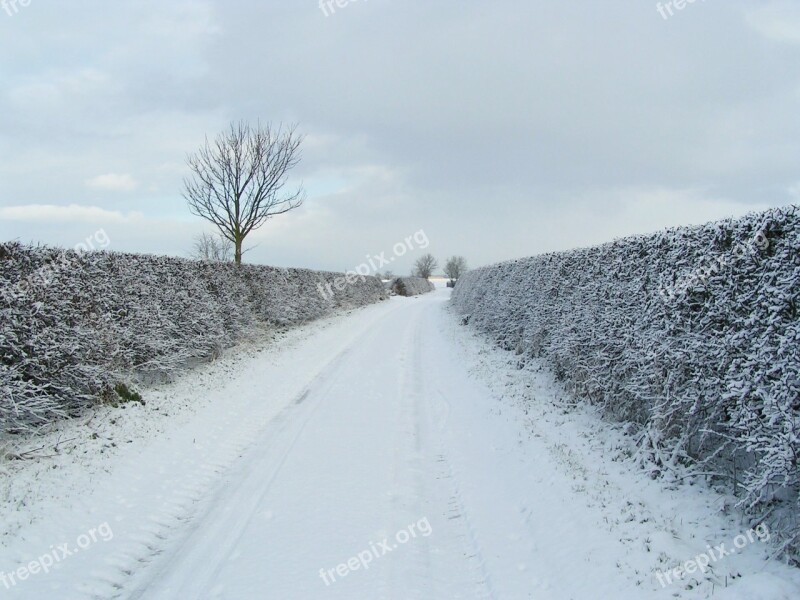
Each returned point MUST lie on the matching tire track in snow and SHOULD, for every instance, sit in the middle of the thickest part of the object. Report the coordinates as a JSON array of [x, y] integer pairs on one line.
[[210, 535], [457, 513], [408, 469], [456, 535]]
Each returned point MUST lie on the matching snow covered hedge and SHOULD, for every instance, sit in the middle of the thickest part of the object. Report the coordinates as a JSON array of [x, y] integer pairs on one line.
[[692, 335], [74, 326], [411, 286]]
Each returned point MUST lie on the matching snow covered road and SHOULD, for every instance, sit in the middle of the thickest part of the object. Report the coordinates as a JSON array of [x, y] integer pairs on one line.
[[353, 471], [365, 460]]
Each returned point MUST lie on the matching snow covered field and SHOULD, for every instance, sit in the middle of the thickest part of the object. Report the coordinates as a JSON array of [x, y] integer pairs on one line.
[[386, 453]]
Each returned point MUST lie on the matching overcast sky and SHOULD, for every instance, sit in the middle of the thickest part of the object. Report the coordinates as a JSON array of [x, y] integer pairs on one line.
[[500, 128]]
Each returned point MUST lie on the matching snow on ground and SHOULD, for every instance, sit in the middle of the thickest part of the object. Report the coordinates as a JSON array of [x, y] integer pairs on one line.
[[386, 453]]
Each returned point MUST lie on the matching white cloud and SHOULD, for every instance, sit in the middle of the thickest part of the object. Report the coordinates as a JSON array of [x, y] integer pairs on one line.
[[112, 182], [72, 212]]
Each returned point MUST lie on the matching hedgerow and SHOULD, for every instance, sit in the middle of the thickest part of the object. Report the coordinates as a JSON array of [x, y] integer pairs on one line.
[[411, 286], [74, 326], [691, 335]]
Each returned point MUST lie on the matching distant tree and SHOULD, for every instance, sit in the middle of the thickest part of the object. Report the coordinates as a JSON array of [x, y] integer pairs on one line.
[[208, 246], [388, 275], [455, 267], [238, 180], [425, 266]]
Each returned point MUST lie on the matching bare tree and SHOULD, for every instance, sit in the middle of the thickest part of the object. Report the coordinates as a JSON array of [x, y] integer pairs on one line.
[[455, 267], [216, 248], [425, 265], [238, 180]]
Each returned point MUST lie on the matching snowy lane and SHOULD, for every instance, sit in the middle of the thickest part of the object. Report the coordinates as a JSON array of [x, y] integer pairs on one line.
[[383, 479], [369, 456], [318, 480], [344, 472]]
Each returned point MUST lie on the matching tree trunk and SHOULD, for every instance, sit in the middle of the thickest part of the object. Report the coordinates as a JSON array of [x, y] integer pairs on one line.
[[238, 253]]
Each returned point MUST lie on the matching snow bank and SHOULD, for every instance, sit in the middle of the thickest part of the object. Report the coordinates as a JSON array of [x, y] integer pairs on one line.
[[74, 326], [692, 335], [411, 286]]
